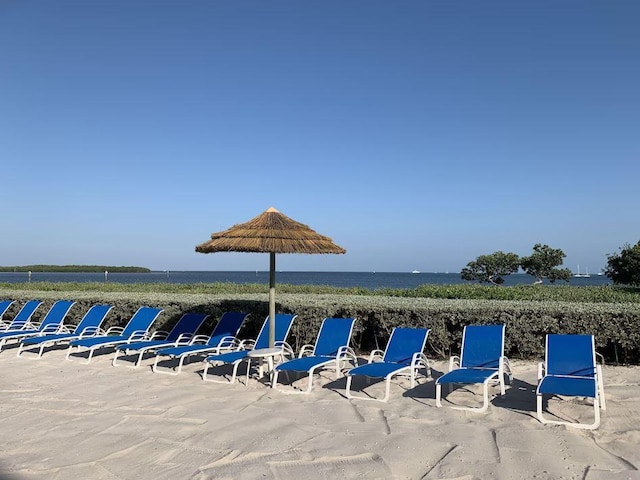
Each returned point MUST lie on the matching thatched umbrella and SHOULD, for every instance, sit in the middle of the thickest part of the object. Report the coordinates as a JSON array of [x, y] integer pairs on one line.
[[271, 232]]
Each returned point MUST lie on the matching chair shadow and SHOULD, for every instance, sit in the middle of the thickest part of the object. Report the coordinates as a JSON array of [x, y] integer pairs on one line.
[[519, 395]]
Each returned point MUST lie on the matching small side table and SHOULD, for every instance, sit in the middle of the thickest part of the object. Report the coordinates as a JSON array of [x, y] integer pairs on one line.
[[262, 354]]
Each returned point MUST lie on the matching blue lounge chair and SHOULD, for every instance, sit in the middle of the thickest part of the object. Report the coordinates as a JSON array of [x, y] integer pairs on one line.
[[403, 355], [23, 317], [570, 370], [4, 306], [137, 329], [181, 334], [331, 350], [223, 337], [51, 323], [89, 326], [241, 354], [481, 361]]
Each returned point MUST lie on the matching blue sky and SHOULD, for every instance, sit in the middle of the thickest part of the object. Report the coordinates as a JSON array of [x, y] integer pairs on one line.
[[416, 134]]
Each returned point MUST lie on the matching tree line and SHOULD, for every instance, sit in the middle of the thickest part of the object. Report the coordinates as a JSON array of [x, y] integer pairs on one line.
[[75, 269], [623, 268]]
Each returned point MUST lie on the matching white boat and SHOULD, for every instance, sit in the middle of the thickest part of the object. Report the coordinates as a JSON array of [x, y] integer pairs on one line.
[[415, 271], [581, 275]]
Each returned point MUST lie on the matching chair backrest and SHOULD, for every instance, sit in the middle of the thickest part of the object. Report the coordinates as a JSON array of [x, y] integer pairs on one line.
[[25, 314], [228, 326], [482, 346], [56, 314], [141, 320], [188, 323], [283, 325], [403, 343], [572, 355], [334, 333], [93, 318], [4, 306]]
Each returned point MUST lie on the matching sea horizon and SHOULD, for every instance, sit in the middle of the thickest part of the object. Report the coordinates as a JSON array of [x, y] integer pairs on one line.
[[342, 279]]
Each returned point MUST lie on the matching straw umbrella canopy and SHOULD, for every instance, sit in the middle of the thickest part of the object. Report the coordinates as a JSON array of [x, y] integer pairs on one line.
[[270, 232]]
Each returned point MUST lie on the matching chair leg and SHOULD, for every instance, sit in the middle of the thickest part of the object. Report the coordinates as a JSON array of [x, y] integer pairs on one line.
[[21, 350], [293, 391], [387, 394], [167, 371], [485, 396], [583, 426], [347, 390], [600, 387], [91, 350], [137, 364], [124, 352], [114, 362]]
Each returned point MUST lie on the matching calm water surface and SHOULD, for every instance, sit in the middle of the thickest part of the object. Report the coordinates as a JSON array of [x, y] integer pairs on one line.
[[369, 280]]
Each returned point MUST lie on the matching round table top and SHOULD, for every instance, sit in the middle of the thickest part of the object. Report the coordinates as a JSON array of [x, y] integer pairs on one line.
[[264, 352]]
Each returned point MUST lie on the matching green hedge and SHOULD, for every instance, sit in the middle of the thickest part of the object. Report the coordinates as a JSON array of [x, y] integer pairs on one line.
[[616, 326]]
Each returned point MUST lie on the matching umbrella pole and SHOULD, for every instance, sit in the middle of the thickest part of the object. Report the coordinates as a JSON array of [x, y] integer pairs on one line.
[[272, 299]]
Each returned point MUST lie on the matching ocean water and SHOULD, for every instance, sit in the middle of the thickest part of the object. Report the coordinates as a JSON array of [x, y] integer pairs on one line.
[[369, 280]]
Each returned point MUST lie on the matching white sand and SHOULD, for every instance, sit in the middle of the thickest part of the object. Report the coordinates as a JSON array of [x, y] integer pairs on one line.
[[67, 420]]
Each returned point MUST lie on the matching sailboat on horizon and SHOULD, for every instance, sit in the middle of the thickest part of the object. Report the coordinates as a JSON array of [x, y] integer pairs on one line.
[[581, 275]]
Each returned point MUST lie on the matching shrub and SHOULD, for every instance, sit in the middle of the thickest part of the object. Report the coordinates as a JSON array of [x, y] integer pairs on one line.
[[615, 325]]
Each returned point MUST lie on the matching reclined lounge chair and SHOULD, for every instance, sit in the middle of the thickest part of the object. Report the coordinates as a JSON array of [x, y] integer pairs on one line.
[[4, 306], [89, 326], [481, 361], [51, 323], [181, 334], [222, 338], [331, 350], [283, 324], [403, 355], [570, 370], [137, 329], [22, 318]]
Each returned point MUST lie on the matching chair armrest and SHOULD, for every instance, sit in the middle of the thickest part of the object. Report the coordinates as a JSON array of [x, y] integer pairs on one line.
[[229, 342], [505, 367], [454, 362], [67, 328], [376, 354], [199, 339], [247, 344], [600, 357], [114, 331], [184, 339], [159, 335], [287, 350], [347, 353], [91, 332], [418, 359], [541, 371], [51, 328], [306, 350], [138, 335]]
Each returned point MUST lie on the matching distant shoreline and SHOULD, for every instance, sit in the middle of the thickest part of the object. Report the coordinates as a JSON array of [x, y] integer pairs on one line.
[[74, 269]]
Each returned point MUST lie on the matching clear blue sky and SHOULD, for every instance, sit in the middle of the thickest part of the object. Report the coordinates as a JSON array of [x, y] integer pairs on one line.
[[416, 134]]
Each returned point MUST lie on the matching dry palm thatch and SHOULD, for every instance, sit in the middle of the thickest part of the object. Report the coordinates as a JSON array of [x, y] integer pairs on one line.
[[271, 232]]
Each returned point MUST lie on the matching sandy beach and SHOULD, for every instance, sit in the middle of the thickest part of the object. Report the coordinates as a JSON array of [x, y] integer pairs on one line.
[[68, 420]]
